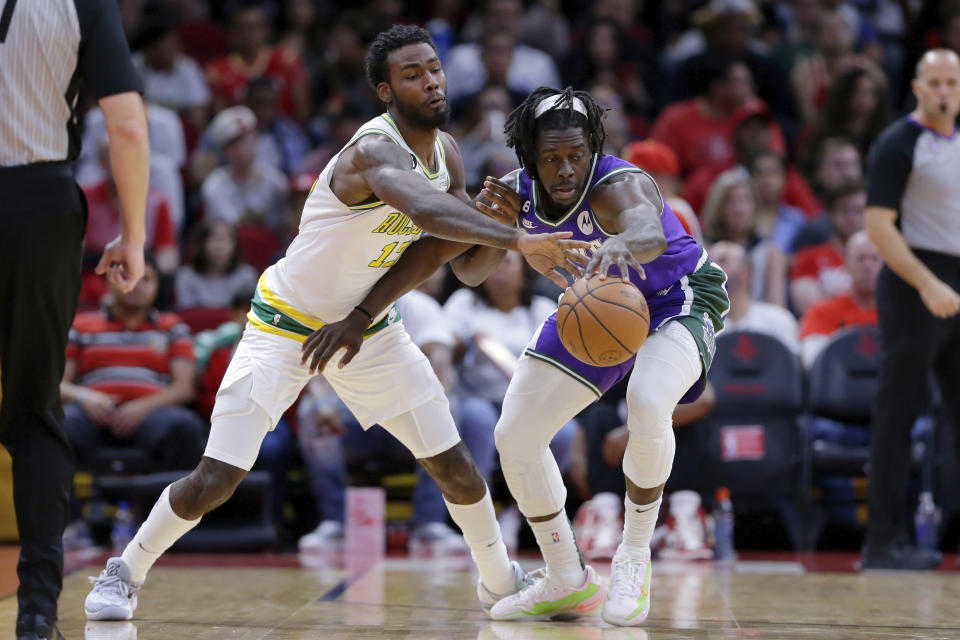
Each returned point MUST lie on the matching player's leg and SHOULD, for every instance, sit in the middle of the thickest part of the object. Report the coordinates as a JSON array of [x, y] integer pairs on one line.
[[263, 379], [667, 365], [429, 433], [390, 382], [475, 419], [540, 400]]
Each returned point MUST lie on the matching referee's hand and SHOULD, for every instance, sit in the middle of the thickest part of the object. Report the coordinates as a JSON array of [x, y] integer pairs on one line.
[[940, 299], [122, 263]]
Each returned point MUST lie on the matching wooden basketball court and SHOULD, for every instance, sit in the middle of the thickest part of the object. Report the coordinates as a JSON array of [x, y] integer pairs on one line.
[[258, 597]]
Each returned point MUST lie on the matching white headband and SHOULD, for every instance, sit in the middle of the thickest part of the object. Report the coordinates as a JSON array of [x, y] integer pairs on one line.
[[552, 102]]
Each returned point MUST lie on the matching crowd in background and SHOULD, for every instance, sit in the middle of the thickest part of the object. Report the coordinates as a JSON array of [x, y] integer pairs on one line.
[[756, 118]]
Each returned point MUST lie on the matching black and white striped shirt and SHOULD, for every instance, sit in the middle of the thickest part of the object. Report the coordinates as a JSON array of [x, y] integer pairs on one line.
[[49, 50]]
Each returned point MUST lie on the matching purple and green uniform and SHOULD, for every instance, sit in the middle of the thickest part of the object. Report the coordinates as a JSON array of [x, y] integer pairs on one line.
[[681, 283]]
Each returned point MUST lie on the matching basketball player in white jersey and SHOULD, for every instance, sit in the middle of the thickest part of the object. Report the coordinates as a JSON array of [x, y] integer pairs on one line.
[[387, 186]]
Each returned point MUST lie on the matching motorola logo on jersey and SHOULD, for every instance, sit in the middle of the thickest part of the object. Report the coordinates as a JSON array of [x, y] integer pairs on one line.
[[585, 222]]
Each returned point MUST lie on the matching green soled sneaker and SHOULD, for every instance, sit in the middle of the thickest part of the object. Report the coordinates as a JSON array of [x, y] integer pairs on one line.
[[543, 599]]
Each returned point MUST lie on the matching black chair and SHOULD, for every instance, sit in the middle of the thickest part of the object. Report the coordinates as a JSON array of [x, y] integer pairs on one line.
[[843, 386], [750, 442]]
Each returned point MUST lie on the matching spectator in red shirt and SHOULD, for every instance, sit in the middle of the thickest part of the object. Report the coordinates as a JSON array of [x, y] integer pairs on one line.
[[104, 224], [818, 271], [129, 372], [856, 307], [700, 129], [754, 132], [252, 56], [103, 218]]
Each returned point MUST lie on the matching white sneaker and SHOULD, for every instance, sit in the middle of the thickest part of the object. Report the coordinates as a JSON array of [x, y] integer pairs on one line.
[[488, 598], [543, 599], [437, 537], [628, 599], [114, 594], [327, 534]]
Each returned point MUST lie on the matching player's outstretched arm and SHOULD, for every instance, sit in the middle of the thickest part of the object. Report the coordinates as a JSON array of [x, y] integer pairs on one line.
[[629, 204], [497, 200], [385, 169]]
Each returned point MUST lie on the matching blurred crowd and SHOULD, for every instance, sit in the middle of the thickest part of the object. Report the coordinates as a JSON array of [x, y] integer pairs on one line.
[[755, 117]]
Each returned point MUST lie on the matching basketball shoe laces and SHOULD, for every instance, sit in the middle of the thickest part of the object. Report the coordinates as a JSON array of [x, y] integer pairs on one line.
[[625, 581], [110, 584], [542, 589]]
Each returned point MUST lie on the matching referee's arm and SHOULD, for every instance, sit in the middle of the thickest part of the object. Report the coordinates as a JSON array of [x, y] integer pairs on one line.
[[130, 166], [108, 75]]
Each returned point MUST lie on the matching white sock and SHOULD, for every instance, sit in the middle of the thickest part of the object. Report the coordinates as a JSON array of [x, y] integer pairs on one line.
[[478, 522], [560, 550], [162, 528], [639, 521]]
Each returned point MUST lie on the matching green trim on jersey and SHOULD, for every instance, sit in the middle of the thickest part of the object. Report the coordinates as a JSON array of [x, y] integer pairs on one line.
[[271, 316]]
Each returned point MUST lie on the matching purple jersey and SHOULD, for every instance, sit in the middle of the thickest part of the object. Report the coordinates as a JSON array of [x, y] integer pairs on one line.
[[670, 288], [680, 258]]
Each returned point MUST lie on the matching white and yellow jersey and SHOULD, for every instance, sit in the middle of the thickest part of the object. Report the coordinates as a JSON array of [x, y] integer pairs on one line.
[[341, 251]]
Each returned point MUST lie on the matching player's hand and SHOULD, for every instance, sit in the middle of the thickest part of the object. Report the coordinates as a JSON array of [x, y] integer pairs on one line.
[[330, 338], [98, 405], [614, 252], [548, 251], [499, 201], [122, 263], [940, 298]]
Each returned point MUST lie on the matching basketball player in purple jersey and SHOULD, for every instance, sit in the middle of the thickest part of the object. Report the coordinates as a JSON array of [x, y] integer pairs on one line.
[[566, 183]]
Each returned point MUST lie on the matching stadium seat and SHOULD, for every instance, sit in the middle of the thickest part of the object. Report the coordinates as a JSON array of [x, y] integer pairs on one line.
[[843, 386], [750, 442]]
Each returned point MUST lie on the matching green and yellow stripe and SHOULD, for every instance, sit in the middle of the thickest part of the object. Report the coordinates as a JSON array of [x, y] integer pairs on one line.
[[271, 314]]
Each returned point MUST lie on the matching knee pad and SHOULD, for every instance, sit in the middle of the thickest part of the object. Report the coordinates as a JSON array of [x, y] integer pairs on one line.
[[651, 446], [530, 470]]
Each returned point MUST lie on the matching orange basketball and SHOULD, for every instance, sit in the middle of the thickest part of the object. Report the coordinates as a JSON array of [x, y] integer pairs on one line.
[[602, 322]]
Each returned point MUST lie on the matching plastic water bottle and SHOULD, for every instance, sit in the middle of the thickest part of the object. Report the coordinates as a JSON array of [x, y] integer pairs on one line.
[[927, 522], [723, 527], [123, 529]]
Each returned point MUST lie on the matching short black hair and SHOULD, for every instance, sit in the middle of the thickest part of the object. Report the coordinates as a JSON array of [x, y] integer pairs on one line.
[[396, 37], [701, 75], [523, 125], [841, 191]]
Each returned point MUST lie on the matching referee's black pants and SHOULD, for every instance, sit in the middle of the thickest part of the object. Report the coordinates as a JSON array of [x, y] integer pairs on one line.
[[914, 343], [42, 219]]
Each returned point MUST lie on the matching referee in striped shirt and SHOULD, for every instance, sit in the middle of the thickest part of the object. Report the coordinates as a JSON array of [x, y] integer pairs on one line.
[[49, 51], [913, 218]]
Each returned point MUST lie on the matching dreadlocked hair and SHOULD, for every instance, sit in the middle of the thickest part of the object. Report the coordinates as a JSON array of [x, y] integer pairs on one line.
[[522, 125], [396, 37]]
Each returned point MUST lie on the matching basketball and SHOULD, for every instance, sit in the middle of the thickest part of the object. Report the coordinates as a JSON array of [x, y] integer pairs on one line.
[[602, 322]]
